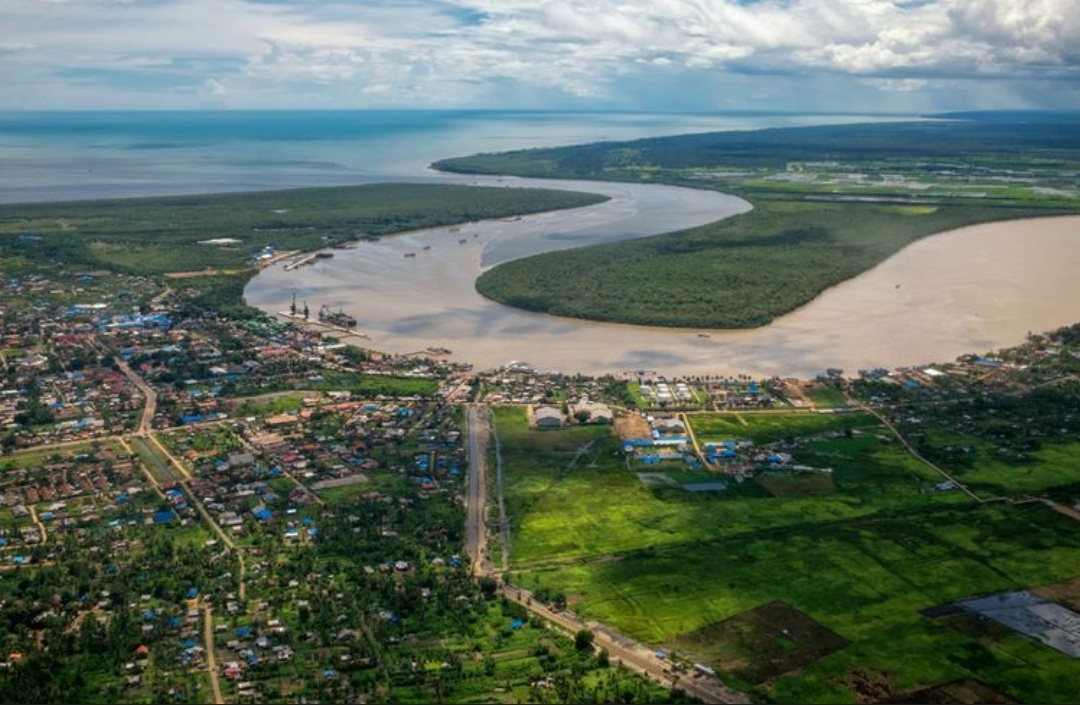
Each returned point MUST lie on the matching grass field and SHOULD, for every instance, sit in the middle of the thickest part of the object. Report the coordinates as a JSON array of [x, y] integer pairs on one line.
[[845, 562], [156, 463], [765, 428], [825, 396], [1048, 468], [36, 458], [567, 509], [865, 580]]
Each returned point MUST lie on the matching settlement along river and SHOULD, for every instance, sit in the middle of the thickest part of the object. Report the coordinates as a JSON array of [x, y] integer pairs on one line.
[[975, 289]]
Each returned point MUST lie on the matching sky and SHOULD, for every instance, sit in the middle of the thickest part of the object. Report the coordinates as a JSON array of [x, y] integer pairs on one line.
[[642, 55]]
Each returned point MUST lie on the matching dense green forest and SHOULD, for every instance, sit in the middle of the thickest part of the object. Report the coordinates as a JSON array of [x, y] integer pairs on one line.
[[738, 273], [830, 202]]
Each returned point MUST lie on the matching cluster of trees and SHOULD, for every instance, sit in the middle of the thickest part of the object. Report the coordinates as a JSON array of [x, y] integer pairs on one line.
[[155, 235]]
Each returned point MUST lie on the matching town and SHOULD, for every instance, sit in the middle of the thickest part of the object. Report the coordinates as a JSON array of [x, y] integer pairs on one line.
[[200, 508]]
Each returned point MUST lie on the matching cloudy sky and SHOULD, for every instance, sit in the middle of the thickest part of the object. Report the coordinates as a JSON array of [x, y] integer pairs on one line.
[[663, 55]]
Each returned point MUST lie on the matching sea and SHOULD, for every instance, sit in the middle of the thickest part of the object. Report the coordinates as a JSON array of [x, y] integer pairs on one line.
[[51, 156]]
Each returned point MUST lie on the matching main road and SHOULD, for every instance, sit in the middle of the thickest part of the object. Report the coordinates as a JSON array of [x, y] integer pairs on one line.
[[475, 523], [148, 392]]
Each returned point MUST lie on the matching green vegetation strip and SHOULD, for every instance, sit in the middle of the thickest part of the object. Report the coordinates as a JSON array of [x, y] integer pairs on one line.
[[155, 462], [866, 582], [567, 510], [161, 235], [801, 586]]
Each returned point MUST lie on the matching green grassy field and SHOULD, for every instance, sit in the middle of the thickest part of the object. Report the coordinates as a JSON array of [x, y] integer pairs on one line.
[[855, 556], [566, 510], [867, 581], [764, 428], [1050, 467], [157, 464], [825, 396], [36, 458]]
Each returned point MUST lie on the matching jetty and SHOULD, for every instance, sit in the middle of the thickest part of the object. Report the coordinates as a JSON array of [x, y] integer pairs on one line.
[[340, 330]]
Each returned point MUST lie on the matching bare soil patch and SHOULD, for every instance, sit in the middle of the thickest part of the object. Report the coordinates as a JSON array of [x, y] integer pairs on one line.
[[966, 691], [633, 427], [762, 643], [1066, 593]]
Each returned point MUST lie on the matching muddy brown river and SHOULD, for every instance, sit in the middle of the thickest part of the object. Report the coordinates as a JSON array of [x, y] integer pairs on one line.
[[974, 289]]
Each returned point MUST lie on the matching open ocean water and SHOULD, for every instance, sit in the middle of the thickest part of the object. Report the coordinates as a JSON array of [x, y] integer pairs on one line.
[[49, 156]]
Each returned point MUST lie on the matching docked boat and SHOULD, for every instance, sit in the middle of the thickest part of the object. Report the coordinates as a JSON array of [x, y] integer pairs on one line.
[[336, 318]]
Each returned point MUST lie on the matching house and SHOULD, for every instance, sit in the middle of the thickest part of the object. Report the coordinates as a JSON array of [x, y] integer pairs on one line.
[[238, 460], [548, 417], [668, 425], [592, 412]]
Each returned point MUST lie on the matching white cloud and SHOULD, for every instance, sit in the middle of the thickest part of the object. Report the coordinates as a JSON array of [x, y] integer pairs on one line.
[[468, 52], [898, 85], [215, 88]]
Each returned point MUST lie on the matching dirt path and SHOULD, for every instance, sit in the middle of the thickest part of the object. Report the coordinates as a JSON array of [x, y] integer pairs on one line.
[[504, 520], [40, 526], [903, 441], [211, 658], [694, 441]]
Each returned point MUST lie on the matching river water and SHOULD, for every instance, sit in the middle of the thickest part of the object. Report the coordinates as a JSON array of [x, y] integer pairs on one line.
[[970, 290]]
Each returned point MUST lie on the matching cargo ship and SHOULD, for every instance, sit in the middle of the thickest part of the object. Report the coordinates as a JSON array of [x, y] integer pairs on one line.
[[336, 318]]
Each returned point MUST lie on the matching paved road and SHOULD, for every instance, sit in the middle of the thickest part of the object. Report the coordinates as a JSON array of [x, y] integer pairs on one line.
[[148, 393], [475, 524]]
